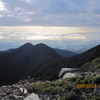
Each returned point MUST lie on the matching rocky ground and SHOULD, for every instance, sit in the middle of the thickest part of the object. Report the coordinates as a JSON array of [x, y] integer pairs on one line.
[[55, 90], [13, 92], [16, 92]]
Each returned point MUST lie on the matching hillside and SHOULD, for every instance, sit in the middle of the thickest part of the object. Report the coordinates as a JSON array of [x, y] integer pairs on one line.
[[65, 53], [79, 60], [93, 65], [27, 60], [67, 89]]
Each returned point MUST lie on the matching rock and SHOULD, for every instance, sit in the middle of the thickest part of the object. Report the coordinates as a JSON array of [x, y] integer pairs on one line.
[[9, 91], [13, 97], [48, 98], [3, 86], [2, 94], [25, 91], [13, 92], [68, 70], [32, 96], [47, 81], [22, 91], [14, 87], [21, 97]]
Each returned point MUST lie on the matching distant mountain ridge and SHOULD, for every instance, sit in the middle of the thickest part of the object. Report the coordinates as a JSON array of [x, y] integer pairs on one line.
[[65, 53], [7, 51]]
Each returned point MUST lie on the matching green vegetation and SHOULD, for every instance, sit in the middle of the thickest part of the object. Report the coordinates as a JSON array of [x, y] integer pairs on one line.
[[66, 89], [92, 65]]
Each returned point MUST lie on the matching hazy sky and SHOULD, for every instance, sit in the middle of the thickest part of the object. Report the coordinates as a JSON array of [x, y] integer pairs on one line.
[[65, 24]]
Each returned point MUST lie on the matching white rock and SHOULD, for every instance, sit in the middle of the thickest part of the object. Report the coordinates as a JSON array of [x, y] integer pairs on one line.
[[32, 96], [23, 90]]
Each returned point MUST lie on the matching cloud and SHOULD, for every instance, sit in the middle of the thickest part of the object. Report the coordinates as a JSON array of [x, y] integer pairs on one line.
[[28, 20], [28, 1], [1, 15], [2, 6], [37, 33], [2, 37], [42, 33], [68, 13]]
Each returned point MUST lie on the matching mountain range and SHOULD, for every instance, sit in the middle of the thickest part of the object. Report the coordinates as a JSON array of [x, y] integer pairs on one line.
[[40, 62], [65, 53]]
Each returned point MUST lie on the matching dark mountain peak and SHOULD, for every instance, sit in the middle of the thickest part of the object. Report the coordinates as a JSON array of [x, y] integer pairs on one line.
[[24, 49], [28, 44], [41, 45], [44, 49]]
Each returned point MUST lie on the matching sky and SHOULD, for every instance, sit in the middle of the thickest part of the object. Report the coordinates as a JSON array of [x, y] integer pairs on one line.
[[66, 24]]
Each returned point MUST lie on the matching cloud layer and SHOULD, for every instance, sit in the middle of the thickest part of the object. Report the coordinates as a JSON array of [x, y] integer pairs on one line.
[[70, 38]]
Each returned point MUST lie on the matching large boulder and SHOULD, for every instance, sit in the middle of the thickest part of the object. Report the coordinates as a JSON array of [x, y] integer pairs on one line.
[[71, 72]]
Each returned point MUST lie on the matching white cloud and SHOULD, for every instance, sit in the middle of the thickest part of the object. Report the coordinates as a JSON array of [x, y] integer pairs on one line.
[[28, 1], [1, 15], [2, 37], [2, 6], [23, 15], [10, 15], [27, 20]]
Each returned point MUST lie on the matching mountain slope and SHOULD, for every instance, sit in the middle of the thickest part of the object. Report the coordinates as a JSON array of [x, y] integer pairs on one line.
[[93, 65], [79, 60], [27, 60], [65, 53]]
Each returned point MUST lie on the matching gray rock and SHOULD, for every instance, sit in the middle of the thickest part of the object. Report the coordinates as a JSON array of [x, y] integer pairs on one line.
[[9, 91], [21, 97], [70, 72], [2, 94], [13, 97], [32, 96]]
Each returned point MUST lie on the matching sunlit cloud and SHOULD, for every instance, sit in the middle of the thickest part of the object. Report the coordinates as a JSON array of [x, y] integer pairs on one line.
[[43, 33]]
